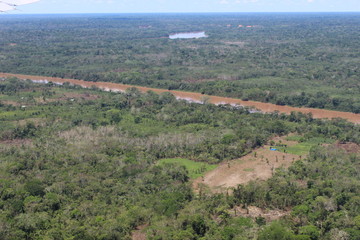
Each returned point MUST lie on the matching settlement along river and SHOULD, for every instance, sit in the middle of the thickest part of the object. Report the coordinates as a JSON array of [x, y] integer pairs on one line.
[[197, 97]]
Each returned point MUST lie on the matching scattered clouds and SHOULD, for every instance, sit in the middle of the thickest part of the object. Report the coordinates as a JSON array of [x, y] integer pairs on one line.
[[310, 1], [246, 1], [103, 1], [238, 1], [224, 2]]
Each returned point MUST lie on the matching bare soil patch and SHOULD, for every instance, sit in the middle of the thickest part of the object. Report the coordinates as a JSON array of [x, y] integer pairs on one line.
[[85, 96], [196, 97], [13, 103], [257, 165], [254, 212], [36, 121], [138, 233], [68, 96], [348, 147], [16, 142], [283, 140]]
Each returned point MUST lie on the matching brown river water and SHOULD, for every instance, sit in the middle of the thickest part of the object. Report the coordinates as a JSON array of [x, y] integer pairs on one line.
[[198, 97]]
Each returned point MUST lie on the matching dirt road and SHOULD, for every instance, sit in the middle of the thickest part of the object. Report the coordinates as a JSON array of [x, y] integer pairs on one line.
[[198, 97]]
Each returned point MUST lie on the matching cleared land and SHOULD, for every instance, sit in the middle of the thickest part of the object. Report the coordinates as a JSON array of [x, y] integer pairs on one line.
[[257, 165], [195, 169], [262, 162], [198, 97]]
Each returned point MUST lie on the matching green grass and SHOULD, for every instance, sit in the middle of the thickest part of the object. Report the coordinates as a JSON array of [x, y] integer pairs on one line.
[[195, 169], [298, 149], [303, 148], [248, 169], [17, 115]]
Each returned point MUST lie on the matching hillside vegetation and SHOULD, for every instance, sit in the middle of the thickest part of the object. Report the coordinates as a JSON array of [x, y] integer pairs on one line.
[[85, 164]]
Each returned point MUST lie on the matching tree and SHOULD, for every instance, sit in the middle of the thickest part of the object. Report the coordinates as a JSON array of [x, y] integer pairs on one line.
[[276, 231]]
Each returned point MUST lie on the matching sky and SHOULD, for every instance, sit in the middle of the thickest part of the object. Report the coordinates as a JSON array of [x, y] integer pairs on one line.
[[158, 6]]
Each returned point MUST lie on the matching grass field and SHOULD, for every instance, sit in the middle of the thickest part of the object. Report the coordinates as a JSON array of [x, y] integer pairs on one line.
[[303, 147], [196, 169]]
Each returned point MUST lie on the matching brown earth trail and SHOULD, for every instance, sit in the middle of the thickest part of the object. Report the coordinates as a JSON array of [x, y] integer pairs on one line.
[[198, 97]]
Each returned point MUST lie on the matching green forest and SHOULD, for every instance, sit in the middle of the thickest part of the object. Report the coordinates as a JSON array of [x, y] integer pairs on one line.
[[299, 59], [86, 164]]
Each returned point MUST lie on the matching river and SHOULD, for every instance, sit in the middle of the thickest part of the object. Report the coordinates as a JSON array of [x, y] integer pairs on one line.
[[198, 97]]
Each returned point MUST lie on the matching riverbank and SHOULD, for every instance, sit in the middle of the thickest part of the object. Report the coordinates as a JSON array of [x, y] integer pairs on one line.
[[198, 97]]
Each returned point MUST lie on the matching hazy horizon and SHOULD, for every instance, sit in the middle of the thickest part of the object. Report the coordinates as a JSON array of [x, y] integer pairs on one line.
[[188, 6], [165, 13]]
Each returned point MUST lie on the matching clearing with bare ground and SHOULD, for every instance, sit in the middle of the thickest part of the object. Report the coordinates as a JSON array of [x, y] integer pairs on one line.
[[139, 233], [257, 165], [254, 212], [349, 147], [16, 142]]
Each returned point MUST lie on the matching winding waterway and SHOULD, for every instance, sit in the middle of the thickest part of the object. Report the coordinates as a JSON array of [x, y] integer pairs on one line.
[[198, 97]]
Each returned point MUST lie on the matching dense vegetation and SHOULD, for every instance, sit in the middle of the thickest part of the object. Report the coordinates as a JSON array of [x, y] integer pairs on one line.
[[83, 164], [288, 59]]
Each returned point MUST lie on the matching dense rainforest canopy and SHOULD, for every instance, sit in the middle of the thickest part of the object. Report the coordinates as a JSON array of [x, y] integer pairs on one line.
[[83, 164], [87, 164], [299, 59]]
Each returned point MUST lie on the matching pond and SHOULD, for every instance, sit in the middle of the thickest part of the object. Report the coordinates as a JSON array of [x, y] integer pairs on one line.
[[188, 35]]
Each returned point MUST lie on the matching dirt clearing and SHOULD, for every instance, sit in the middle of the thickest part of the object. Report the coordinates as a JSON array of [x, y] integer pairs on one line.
[[138, 233], [257, 165], [16, 142], [349, 147], [254, 212]]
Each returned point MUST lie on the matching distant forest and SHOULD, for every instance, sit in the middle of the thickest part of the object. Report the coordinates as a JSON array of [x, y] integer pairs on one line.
[[298, 59]]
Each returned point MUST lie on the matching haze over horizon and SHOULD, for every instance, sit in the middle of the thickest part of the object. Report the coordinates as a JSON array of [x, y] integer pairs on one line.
[[186, 6]]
